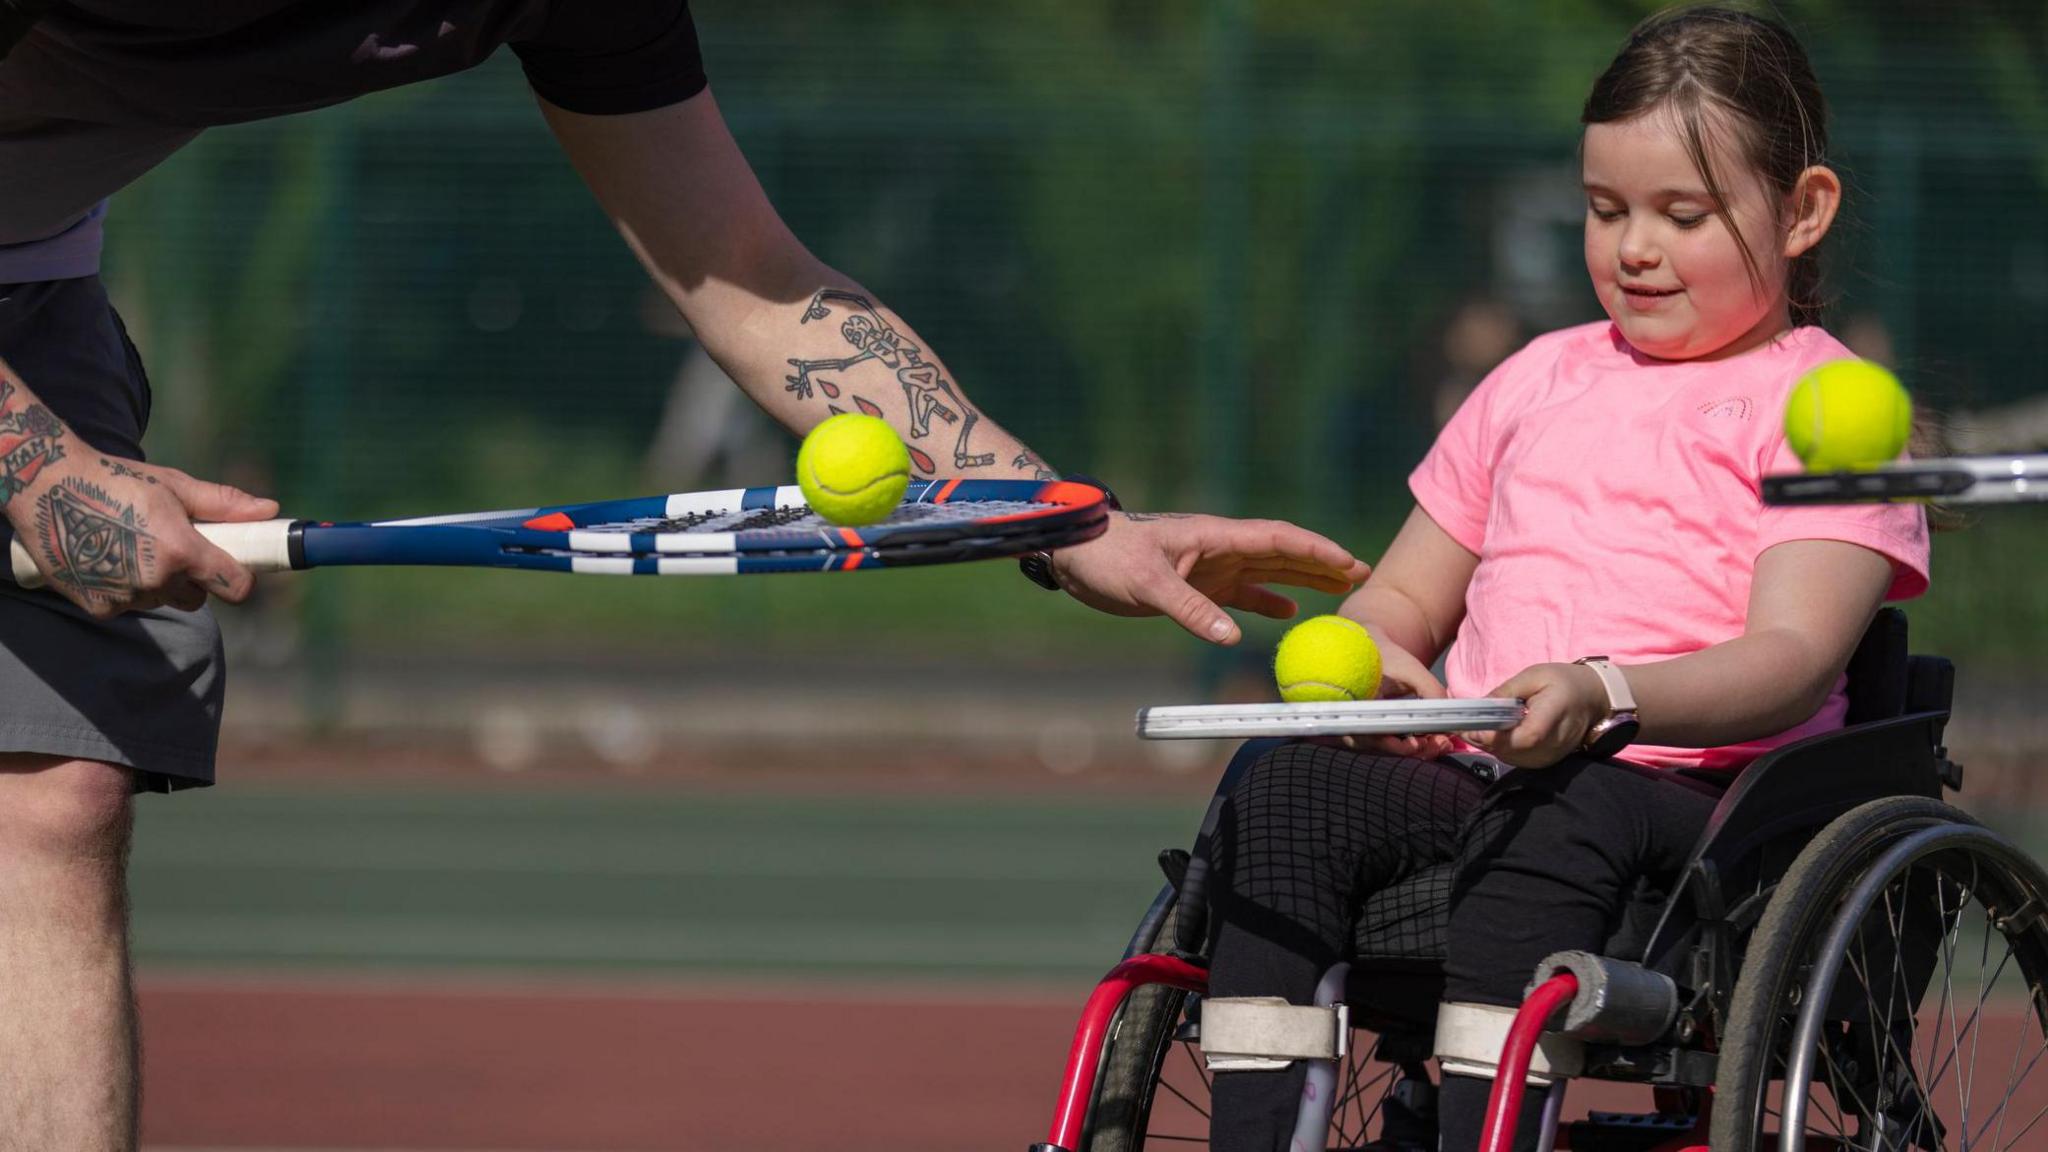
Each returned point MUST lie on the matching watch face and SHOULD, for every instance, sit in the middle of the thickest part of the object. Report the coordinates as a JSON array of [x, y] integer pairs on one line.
[[1611, 736]]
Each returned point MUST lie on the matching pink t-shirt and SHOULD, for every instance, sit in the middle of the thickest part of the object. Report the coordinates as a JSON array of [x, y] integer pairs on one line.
[[1612, 500]]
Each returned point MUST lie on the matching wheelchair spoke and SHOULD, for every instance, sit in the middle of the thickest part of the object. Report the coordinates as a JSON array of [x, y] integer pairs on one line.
[[1354, 1097], [1905, 1073], [1970, 1025], [2022, 1133], [1201, 1069], [1886, 1049], [1942, 1014], [1838, 1082], [1184, 1098], [2012, 1082]]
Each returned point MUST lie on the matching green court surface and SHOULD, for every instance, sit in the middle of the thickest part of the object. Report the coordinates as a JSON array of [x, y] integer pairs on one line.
[[656, 884]]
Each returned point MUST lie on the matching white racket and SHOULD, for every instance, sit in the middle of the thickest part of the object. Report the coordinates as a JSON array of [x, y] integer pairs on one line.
[[1404, 717], [1951, 480]]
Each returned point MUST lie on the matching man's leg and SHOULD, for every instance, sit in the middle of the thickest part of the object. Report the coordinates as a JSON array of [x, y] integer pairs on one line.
[[67, 1010]]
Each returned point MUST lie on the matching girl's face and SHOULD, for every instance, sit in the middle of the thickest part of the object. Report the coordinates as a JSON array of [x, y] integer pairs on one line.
[[1666, 267]]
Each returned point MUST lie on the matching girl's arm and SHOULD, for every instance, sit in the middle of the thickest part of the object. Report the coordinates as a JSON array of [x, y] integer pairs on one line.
[[1416, 595], [1412, 605], [1809, 604]]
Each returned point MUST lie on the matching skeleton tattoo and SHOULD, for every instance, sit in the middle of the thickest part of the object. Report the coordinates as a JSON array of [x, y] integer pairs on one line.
[[926, 389], [1029, 459]]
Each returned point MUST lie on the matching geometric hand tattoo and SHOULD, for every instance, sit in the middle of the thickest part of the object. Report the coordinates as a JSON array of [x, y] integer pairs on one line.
[[98, 544], [924, 386]]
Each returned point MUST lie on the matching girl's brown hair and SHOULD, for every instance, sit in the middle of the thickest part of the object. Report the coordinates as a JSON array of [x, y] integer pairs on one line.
[[1754, 71]]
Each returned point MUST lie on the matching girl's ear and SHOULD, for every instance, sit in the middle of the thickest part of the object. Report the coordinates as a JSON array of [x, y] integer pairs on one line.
[[1816, 196]]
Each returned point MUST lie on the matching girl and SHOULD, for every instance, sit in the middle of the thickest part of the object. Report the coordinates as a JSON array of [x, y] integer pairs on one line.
[[1589, 529]]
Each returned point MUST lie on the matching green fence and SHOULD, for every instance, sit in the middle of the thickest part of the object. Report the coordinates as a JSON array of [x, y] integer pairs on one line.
[[1226, 254]]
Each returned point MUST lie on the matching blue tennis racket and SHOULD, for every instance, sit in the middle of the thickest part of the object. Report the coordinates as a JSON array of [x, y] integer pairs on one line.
[[735, 532]]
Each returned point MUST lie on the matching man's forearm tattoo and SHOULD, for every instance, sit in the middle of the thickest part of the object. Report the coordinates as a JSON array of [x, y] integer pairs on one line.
[[30, 440], [94, 543], [926, 388], [1142, 517], [1029, 459]]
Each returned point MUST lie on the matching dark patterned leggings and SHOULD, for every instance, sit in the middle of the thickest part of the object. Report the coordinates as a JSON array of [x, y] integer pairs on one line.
[[1544, 860]]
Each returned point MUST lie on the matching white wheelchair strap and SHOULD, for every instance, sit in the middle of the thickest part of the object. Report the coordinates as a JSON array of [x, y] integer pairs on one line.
[[1266, 1033], [1469, 1039]]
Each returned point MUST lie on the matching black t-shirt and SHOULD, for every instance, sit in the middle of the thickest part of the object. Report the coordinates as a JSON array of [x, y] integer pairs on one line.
[[103, 90]]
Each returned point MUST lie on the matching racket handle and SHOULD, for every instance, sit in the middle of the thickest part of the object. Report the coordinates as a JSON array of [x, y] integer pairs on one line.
[[259, 546]]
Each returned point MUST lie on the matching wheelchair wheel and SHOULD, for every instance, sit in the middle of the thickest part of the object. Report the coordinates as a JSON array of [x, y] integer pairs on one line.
[[1892, 997], [1152, 1089]]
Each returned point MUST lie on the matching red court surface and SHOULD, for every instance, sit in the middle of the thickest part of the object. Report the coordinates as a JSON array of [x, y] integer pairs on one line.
[[359, 1064], [441, 1064]]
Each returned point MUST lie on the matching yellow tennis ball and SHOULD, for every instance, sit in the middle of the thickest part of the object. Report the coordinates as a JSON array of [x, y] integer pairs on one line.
[[1848, 414], [1327, 658], [853, 469]]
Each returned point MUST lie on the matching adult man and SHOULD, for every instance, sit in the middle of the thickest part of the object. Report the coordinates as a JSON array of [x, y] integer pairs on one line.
[[116, 686]]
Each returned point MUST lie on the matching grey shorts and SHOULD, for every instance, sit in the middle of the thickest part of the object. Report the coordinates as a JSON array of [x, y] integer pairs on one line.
[[143, 690]]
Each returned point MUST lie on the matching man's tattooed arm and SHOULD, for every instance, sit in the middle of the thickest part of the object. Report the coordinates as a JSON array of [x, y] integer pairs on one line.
[[31, 438], [878, 355], [1142, 517]]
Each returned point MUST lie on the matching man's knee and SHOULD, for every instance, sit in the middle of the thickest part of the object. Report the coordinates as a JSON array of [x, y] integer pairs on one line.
[[64, 810]]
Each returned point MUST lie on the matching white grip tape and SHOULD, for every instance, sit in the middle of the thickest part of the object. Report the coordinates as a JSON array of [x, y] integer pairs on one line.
[[1469, 1038], [260, 546], [1265, 1033]]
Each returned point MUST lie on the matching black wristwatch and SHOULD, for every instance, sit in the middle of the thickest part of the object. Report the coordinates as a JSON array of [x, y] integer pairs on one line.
[[1037, 566]]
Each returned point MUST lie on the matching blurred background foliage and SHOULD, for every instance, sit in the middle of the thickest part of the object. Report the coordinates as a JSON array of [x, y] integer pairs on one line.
[[1228, 255]]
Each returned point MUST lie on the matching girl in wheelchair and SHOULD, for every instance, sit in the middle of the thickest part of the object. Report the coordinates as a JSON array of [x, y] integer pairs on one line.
[[1587, 534]]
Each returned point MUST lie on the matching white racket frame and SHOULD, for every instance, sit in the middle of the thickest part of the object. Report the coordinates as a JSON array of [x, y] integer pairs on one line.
[[1339, 718]]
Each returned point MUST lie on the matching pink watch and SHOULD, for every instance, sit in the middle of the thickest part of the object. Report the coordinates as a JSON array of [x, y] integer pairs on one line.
[[1618, 730]]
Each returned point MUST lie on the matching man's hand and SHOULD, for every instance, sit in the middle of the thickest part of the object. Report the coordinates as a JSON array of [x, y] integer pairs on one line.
[[1565, 701], [115, 536], [1191, 567]]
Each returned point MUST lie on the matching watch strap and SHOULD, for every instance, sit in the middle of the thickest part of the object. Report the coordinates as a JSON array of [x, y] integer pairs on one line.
[[1619, 698]]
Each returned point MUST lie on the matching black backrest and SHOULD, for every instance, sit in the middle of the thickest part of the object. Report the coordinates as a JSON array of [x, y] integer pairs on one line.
[[1898, 707], [1878, 670]]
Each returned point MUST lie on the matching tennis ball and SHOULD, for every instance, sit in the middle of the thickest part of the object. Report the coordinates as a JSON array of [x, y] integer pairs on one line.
[[1848, 414], [1327, 658], [853, 469]]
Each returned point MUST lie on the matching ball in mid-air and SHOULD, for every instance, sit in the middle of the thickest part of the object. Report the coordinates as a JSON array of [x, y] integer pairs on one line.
[[853, 469], [1848, 414], [1326, 658]]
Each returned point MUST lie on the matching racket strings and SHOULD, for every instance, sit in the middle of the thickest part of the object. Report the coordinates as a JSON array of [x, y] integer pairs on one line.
[[800, 517]]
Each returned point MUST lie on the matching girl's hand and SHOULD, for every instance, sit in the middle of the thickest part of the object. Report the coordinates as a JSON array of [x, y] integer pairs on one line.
[[1401, 676], [1565, 701]]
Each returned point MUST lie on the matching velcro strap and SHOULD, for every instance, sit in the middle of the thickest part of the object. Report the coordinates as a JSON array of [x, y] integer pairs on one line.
[[1469, 1038], [1262, 1033]]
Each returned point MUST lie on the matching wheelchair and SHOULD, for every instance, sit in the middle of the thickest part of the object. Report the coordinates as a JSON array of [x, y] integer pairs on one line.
[[1846, 963]]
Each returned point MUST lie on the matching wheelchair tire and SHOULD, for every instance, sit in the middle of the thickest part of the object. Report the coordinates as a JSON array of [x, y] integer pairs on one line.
[[1135, 1050], [1863, 1087]]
